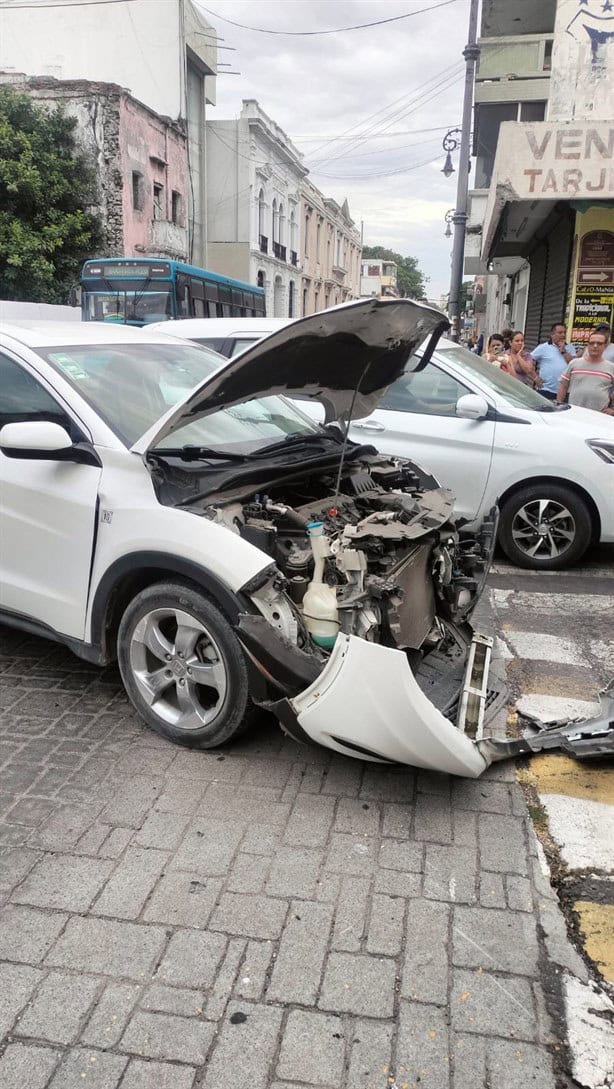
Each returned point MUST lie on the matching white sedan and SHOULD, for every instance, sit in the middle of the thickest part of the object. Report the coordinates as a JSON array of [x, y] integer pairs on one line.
[[491, 439]]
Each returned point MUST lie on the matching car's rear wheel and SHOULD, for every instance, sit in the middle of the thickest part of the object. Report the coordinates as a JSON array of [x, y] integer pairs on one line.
[[182, 666], [545, 526]]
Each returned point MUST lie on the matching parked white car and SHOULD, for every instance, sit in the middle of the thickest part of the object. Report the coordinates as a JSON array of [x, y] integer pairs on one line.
[[489, 438], [228, 336], [170, 509]]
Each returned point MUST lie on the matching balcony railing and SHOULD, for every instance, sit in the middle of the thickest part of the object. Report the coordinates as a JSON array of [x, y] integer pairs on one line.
[[293, 258], [279, 251], [264, 244]]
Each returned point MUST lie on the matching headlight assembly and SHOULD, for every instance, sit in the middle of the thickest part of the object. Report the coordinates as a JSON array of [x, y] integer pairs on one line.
[[603, 448]]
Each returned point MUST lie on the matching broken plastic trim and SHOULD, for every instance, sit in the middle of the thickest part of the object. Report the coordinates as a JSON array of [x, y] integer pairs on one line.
[[593, 737], [472, 704]]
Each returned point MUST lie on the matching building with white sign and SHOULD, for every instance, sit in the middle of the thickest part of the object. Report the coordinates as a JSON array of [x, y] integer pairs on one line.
[[542, 222], [378, 278]]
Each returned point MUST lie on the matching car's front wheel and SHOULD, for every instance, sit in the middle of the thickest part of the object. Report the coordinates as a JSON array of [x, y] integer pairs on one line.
[[182, 666], [545, 526]]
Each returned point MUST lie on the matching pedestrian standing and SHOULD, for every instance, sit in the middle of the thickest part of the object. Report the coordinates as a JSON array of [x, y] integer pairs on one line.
[[551, 358], [507, 335], [494, 348], [609, 347], [589, 382], [519, 362]]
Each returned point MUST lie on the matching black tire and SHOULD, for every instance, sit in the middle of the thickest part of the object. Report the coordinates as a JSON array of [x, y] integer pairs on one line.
[[524, 517], [203, 668]]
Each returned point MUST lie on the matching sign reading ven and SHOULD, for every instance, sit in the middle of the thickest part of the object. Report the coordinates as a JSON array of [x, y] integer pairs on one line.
[[569, 161]]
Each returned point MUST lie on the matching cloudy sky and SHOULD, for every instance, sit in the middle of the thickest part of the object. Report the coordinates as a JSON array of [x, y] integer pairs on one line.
[[367, 108]]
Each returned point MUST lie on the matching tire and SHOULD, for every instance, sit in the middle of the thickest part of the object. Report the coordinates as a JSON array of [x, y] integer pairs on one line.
[[182, 666], [545, 526]]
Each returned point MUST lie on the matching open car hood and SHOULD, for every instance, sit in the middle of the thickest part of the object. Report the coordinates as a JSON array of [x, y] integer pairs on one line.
[[344, 357]]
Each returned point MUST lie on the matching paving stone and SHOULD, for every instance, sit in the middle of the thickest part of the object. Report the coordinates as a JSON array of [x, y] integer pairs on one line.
[[395, 883], [294, 872], [64, 882], [495, 941], [150, 1075], [388, 784], [183, 899], [312, 1049], [343, 779], [450, 873], [350, 920], [494, 1006], [514, 1065], [423, 1054], [519, 895], [222, 803], [16, 985], [162, 830], [480, 794], [400, 855], [432, 820], [15, 863], [425, 971], [371, 1047], [222, 988], [14, 835], [127, 890], [265, 773], [143, 760], [163, 1036], [502, 844], [385, 933], [59, 1008], [357, 817], [261, 839], [358, 984], [244, 1048], [469, 1063], [31, 811], [64, 828], [327, 888], [249, 916], [252, 975], [180, 796], [96, 1069], [433, 782], [351, 854], [192, 959], [108, 1021], [249, 873], [131, 802], [396, 820], [206, 765], [465, 828], [208, 847], [24, 1066], [179, 1000], [92, 840], [27, 934], [109, 948], [298, 967], [310, 821], [492, 890], [116, 842]]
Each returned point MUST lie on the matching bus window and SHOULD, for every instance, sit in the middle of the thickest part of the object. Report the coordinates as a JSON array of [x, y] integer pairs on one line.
[[198, 308]]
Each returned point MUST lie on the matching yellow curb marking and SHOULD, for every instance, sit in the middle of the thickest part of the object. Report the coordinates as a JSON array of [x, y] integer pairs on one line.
[[597, 925], [562, 775]]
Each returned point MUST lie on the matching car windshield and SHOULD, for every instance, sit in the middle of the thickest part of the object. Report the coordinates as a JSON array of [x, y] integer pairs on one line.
[[132, 385], [513, 391]]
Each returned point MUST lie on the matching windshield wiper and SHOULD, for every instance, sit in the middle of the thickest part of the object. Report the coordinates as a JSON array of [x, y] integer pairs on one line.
[[296, 440], [196, 453]]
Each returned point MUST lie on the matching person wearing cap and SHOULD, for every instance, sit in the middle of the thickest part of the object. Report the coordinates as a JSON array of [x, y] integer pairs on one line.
[[589, 382], [551, 358]]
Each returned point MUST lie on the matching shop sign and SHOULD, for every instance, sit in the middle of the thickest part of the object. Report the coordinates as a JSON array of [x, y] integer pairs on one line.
[[593, 304]]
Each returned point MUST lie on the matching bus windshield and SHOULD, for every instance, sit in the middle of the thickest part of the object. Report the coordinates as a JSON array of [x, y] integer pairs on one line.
[[136, 307]]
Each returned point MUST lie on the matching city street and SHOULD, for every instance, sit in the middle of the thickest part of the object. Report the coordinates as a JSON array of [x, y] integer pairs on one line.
[[273, 916]]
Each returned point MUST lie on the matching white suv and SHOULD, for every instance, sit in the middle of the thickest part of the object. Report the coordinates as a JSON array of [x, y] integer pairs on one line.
[[171, 509]]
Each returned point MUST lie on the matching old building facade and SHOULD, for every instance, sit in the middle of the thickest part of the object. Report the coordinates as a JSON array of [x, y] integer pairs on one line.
[[330, 251]]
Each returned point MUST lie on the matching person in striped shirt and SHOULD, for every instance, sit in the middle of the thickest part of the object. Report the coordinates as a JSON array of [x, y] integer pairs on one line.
[[589, 382]]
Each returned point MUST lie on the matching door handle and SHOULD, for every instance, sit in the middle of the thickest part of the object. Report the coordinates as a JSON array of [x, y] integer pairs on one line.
[[370, 425]]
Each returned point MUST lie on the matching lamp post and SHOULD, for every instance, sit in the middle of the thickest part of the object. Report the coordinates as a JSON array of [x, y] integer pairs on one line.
[[449, 216], [459, 218], [450, 143]]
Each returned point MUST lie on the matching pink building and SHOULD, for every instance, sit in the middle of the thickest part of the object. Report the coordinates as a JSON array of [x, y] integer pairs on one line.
[[140, 162]]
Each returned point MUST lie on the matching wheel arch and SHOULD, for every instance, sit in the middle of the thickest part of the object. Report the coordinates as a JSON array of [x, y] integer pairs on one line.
[[130, 574], [561, 482]]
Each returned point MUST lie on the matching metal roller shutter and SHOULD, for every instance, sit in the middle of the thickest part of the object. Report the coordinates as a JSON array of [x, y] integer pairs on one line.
[[560, 245], [533, 320]]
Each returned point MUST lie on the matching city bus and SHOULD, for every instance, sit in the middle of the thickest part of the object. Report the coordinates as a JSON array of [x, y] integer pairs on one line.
[[138, 291]]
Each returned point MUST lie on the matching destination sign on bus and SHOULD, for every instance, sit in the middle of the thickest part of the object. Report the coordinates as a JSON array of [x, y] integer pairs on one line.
[[126, 269]]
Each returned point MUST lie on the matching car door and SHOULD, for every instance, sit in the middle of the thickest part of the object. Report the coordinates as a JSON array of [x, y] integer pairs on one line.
[[47, 514], [416, 418]]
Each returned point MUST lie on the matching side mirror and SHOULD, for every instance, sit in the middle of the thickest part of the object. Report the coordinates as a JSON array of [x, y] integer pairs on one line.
[[471, 406], [40, 439], [75, 295]]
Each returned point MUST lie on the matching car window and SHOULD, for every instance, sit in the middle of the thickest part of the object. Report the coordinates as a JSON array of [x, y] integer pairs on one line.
[[216, 344], [241, 343], [430, 391], [23, 399], [505, 385]]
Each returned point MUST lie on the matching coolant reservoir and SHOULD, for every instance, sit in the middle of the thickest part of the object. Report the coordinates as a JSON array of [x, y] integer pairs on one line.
[[320, 600]]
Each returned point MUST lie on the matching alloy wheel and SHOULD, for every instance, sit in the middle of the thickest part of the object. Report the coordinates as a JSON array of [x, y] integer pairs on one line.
[[543, 529], [178, 668]]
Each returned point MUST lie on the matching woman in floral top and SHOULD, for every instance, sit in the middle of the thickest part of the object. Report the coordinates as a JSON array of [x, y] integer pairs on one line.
[[519, 362]]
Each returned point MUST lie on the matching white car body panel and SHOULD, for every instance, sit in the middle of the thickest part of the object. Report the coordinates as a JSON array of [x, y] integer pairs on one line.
[[393, 718]]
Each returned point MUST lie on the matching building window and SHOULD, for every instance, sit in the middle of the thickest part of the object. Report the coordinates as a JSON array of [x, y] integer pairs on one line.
[[275, 222], [327, 270], [282, 225], [260, 278], [291, 299], [158, 201], [489, 117], [177, 208], [261, 207], [316, 297], [318, 234], [292, 231], [304, 301], [138, 191], [306, 233]]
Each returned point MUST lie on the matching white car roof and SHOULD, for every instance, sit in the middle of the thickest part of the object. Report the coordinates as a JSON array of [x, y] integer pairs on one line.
[[41, 334], [219, 327]]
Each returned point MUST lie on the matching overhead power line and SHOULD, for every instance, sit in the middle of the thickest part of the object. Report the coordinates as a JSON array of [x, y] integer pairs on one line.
[[7, 6], [337, 30]]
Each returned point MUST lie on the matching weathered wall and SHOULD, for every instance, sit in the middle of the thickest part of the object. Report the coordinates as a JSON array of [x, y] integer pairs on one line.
[[582, 80]]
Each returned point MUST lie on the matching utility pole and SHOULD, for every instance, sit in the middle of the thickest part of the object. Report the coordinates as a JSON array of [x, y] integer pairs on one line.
[[471, 53]]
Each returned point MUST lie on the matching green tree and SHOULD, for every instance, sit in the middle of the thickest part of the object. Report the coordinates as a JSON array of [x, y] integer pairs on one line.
[[411, 281], [45, 187]]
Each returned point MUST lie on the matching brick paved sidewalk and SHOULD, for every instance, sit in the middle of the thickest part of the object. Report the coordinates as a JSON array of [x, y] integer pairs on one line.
[[270, 916]]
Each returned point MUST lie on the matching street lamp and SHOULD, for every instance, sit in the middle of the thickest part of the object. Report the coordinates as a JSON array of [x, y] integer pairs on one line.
[[450, 143], [449, 217]]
